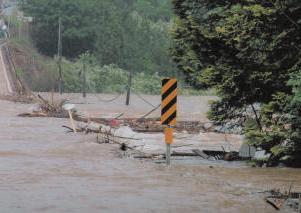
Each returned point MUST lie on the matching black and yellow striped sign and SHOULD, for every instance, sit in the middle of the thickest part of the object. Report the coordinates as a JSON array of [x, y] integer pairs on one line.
[[169, 102]]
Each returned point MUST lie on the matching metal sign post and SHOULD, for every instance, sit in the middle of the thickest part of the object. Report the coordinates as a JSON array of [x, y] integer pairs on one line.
[[299, 203], [168, 140], [169, 112]]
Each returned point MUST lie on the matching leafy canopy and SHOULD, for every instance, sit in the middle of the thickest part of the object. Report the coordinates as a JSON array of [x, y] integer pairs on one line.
[[132, 34], [248, 50]]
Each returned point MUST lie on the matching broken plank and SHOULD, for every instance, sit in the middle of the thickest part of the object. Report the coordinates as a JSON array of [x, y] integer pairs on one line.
[[183, 154], [273, 203], [201, 153]]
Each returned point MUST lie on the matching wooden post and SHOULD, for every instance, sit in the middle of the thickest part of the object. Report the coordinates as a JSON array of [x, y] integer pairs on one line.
[[59, 53], [84, 80], [52, 96], [72, 121], [128, 95]]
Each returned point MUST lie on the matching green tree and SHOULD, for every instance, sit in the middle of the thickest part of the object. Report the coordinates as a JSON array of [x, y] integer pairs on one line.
[[76, 25], [246, 50], [294, 112], [132, 34]]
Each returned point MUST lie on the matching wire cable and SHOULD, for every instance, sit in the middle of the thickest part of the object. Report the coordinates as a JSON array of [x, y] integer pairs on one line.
[[150, 112], [110, 100], [144, 100], [115, 98]]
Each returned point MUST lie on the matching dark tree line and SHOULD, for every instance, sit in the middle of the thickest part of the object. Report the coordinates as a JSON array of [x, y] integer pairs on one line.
[[132, 34]]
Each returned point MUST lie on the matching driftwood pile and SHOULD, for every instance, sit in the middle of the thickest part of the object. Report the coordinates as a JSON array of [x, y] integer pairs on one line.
[[279, 200], [45, 109], [151, 125], [151, 146], [143, 137], [109, 135], [154, 125]]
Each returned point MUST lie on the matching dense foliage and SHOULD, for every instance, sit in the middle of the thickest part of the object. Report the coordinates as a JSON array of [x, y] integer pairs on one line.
[[132, 34], [107, 78], [110, 78], [247, 50]]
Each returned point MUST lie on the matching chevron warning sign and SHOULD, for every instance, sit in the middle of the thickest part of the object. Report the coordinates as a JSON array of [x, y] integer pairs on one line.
[[169, 102]]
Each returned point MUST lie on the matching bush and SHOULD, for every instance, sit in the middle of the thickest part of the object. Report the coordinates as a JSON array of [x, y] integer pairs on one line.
[[109, 79], [147, 84]]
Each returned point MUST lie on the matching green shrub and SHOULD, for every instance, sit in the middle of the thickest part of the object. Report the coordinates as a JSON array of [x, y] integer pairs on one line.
[[109, 79], [147, 84]]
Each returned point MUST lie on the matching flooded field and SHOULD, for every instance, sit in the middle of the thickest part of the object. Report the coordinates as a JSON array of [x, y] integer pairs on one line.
[[43, 169]]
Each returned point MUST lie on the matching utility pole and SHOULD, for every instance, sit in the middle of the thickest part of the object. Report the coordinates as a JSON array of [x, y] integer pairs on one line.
[[59, 54], [84, 79], [128, 94]]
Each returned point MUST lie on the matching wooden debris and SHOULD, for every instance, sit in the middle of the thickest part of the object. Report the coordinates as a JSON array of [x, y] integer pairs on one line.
[[108, 134], [46, 109], [106, 130], [183, 154], [279, 200], [145, 125], [276, 203], [72, 121]]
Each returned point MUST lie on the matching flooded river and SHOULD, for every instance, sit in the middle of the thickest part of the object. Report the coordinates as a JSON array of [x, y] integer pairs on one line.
[[43, 169]]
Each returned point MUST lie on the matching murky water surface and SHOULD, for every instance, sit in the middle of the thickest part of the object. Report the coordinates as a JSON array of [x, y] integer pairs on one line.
[[43, 169]]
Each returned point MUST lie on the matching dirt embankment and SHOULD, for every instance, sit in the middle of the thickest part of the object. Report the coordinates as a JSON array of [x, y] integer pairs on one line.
[[6, 87], [11, 81], [22, 60]]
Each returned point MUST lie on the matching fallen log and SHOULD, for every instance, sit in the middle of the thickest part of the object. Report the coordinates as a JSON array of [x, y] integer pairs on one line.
[[33, 115], [69, 128], [183, 154], [148, 156], [163, 155], [149, 130], [274, 203], [279, 200]]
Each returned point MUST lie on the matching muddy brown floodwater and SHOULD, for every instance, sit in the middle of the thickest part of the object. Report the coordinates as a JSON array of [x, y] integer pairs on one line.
[[43, 169]]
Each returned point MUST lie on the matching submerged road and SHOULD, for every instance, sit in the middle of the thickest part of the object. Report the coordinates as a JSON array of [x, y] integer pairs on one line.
[[43, 169]]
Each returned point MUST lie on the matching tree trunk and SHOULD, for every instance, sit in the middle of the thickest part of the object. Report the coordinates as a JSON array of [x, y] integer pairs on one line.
[[257, 118], [59, 53], [84, 81]]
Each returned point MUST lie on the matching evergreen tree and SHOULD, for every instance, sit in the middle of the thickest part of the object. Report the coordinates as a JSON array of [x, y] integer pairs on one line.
[[247, 51]]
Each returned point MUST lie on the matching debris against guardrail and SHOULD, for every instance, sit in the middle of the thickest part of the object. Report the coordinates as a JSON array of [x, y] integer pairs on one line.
[[146, 145], [145, 136]]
